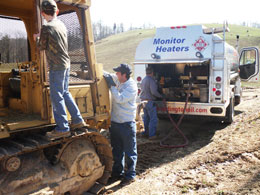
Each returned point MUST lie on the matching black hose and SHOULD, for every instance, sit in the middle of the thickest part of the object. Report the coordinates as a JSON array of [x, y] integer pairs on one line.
[[176, 126]]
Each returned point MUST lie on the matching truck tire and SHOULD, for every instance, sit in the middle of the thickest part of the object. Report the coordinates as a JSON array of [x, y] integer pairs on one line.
[[237, 100], [230, 112], [238, 92]]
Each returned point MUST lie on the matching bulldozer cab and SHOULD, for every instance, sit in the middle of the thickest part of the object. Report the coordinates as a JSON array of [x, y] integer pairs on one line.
[[26, 155], [24, 84]]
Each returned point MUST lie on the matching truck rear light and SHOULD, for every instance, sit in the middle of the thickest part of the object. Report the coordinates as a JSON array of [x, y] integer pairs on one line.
[[139, 79], [139, 91], [216, 110], [218, 93], [214, 89], [178, 27], [218, 86], [218, 79]]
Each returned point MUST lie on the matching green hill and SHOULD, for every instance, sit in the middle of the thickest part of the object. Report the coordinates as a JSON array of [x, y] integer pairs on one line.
[[120, 48]]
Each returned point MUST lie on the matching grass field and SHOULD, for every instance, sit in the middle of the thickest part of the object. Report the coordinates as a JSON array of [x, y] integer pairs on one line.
[[120, 48], [8, 67]]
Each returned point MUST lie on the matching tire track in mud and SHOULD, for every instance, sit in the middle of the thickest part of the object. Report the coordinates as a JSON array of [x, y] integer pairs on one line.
[[151, 155], [200, 134]]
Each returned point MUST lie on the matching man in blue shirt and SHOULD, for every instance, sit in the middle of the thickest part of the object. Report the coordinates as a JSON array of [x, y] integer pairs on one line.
[[123, 126], [149, 92]]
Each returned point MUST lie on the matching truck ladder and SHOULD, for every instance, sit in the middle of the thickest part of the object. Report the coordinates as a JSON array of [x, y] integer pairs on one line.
[[218, 64]]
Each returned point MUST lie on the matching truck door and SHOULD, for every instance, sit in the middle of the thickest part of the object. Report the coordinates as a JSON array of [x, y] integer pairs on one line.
[[249, 64]]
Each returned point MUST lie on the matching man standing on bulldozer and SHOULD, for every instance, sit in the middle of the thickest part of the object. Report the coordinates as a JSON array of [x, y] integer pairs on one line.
[[53, 39]]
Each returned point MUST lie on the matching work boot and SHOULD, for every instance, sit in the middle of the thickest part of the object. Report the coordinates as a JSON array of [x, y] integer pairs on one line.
[[127, 181], [73, 127], [114, 179], [153, 137], [53, 135], [144, 135]]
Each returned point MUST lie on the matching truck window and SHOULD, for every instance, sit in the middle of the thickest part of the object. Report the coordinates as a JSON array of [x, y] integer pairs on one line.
[[13, 43], [247, 63], [248, 57]]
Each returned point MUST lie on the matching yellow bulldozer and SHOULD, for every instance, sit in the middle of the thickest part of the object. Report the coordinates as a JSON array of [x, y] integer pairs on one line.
[[28, 160]]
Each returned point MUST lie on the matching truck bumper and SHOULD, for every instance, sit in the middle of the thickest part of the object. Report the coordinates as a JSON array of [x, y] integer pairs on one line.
[[201, 109]]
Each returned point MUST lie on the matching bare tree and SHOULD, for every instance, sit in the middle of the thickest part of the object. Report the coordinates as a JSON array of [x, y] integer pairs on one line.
[[101, 31], [14, 49]]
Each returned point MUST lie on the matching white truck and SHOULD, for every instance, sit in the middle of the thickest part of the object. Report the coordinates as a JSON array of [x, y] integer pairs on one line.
[[195, 60]]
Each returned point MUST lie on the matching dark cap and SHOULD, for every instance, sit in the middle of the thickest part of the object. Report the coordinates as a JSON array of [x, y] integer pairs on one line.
[[123, 68], [49, 6]]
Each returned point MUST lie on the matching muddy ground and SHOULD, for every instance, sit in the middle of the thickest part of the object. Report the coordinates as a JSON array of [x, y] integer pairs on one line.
[[219, 159]]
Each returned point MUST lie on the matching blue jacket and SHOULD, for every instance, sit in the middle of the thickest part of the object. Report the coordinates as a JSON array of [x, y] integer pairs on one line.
[[149, 89], [123, 100]]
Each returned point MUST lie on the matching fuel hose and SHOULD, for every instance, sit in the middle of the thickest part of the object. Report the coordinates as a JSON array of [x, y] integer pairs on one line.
[[176, 126]]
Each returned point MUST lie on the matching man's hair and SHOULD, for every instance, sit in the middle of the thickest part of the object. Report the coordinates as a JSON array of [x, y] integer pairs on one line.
[[149, 70], [49, 7], [124, 69], [127, 75], [49, 12]]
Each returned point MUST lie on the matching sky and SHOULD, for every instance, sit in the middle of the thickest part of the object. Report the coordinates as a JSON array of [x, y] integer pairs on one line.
[[174, 12], [160, 13]]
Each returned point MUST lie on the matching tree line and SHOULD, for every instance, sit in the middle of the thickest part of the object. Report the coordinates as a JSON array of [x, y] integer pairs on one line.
[[13, 49], [101, 31]]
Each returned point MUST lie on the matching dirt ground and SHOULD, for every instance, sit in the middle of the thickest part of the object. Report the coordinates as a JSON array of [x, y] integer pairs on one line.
[[219, 159]]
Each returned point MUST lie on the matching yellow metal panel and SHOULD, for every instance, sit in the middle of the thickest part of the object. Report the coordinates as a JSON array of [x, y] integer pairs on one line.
[[103, 90], [26, 124], [17, 104], [3, 131], [83, 98], [4, 88], [16, 8], [82, 104], [81, 3], [31, 92]]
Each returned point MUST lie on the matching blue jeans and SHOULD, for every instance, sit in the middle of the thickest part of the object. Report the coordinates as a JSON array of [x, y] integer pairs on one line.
[[150, 119], [61, 98], [123, 142]]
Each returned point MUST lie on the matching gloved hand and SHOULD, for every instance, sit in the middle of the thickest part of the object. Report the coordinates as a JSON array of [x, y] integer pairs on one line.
[[109, 80]]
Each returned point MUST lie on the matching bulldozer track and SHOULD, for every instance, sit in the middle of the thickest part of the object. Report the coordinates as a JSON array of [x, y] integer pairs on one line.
[[16, 146], [27, 143]]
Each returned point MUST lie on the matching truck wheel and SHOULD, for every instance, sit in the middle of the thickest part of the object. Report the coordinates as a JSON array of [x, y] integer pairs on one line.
[[230, 112], [237, 100]]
